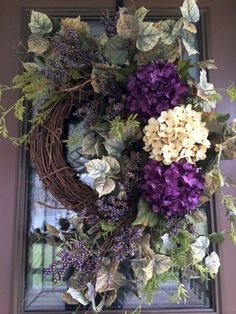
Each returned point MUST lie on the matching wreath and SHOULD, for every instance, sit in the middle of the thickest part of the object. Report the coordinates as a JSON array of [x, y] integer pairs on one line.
[[140, 157]]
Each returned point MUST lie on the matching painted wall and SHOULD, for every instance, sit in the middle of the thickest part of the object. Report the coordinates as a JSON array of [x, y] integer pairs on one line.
[[222, 47]]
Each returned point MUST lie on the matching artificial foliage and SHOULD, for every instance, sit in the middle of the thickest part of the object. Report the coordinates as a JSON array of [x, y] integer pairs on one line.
[[150, 143]]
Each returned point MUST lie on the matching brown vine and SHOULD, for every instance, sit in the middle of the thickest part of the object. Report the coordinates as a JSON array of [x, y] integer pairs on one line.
[[57, 176]]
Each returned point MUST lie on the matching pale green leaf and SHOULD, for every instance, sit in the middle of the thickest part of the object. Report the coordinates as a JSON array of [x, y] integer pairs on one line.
[[158, 265], [104, 185], [231, 92], [37, 44], [40, 23], [97, 168], [147, 36], [169, 33], [217, 237], [190, 11]]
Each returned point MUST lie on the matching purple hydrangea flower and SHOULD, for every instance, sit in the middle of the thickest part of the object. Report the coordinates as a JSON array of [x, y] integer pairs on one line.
[[172, 190], [154, 88]]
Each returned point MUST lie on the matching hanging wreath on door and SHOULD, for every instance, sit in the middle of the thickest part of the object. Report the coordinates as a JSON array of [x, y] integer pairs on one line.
[[148, 142]]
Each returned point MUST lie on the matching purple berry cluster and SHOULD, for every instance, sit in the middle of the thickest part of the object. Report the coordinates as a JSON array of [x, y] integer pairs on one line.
[[172, 190], [68, 53], [82, 260], [154, 88], [125, 243], [112, 209], [109, 24]]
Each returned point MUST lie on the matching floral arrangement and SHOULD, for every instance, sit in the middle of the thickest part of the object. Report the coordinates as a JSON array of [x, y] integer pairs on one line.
[[150, 143]]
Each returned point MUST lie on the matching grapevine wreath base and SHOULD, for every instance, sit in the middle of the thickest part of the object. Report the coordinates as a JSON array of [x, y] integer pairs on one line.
[[142, 120], [47, 153]]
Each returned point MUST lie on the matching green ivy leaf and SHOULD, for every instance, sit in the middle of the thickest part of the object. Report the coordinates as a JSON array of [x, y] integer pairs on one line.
[[122, 74], [190, 11], [146, 216], [116, 51], [183, 69], [97, 168], [217, 237], [37, 44], [221, 117], [147, 36], [40, 23], [104, 185]]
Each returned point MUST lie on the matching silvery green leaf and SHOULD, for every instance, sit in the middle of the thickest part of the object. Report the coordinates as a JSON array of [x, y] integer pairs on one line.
[[199, 248], [30, 66], [37, 44], [87, 179], [205, 91], [115, 50], [104, 185], [190, 49], [114, 146], [97, 168], [78, 296], [190, 11], [167, 243], [88, 145], [159, 264], [147, 36], [169, 33], [213, 263], [114, 164], [40, 23], [140, 14]]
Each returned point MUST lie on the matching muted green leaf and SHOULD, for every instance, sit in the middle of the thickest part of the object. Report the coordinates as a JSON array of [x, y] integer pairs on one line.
[[37, 44], [116, 51], [114, 146], [104, 185], [97, 168], [217, 237], [231, 92], [146, 216]]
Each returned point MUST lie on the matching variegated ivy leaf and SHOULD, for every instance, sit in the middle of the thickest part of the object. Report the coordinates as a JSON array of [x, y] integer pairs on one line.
[[125, 24], [78, 296], [40, 23], [190, 48], [159, 264], [97, 168], [147, 36], [190, 11], [30, 66], [37, 44], [108, 280], [199, 248], [140, 14], [205, 64], [189, 26], [169, 31], [140, 270], [205, 91], [88, 145], [113, 163], [104, 185]]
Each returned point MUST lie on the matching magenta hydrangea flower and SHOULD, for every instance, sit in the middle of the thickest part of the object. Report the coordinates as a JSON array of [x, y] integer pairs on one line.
[[154, 88], [172, 190]]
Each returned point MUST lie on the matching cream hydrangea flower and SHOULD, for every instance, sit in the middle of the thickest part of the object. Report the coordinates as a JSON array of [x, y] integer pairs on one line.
[[178, 133]]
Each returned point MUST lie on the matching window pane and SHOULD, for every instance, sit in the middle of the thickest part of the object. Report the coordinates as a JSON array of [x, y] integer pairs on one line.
[[42, 294]]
